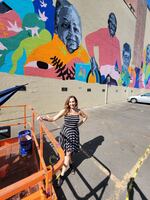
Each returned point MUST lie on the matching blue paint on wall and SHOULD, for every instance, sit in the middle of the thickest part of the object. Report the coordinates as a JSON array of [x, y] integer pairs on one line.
[[46, 7], [81, 71], [20, 64], [22, 7], [148, 4], [7, 64]]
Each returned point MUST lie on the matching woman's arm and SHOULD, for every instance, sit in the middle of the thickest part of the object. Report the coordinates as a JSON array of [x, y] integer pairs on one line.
[[52, 119], [83, 117]]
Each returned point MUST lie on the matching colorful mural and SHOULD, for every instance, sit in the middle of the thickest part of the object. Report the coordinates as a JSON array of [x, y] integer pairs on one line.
[[40, 38], [146, 68], [127, 73], [106, 41]]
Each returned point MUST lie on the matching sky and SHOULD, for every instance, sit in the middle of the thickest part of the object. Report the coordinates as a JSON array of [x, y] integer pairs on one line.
[[148, 4]]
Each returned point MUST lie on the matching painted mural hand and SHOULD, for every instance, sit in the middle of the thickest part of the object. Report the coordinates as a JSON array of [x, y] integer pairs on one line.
[[14, 27]]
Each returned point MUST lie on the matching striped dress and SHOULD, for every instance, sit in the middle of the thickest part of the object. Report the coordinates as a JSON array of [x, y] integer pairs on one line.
[[70, 133]]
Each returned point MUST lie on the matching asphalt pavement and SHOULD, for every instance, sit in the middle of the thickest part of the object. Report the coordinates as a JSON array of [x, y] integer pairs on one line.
[[115, 149]]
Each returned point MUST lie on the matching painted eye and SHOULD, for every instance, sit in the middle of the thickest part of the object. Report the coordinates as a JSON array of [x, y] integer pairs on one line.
[[76, 30], [42, 65], [65, 25]]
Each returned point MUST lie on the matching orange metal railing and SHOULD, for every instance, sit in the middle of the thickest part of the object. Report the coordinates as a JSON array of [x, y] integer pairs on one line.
[[45, 174], [24, 117]]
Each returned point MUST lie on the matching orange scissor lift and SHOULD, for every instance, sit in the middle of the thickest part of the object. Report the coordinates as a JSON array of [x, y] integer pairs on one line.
[[28, 177]]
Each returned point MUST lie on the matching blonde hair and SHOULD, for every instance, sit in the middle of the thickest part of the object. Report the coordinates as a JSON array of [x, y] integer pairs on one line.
[[67, 107]]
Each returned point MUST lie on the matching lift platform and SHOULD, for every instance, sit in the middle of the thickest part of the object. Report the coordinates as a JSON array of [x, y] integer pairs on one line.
[[28, 177]]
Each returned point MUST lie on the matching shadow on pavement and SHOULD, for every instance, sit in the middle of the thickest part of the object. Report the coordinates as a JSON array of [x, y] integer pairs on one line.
[[131, 187], [87, 151]]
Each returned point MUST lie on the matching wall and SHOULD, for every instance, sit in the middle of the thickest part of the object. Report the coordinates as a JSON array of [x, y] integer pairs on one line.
[[48, 97], [147, 30], [96, 16], [33, 50], [139, 32]]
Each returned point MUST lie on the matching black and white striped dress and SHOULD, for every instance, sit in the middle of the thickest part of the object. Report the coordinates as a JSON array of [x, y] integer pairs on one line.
[[70, 133]]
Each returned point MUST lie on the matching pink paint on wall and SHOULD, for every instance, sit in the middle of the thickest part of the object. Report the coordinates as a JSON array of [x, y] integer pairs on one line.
[[108, 46], [10, 24]]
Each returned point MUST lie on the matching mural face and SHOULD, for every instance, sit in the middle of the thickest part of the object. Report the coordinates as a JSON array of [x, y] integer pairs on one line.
[[146, 68], [126, 55], [127, 74], [40, 38], [109, 50], [148, 54], [112, 24], [68, 27], [57, 58]]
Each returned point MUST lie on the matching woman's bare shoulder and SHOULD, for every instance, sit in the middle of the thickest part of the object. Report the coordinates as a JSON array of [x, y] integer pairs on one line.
[[82, 113]]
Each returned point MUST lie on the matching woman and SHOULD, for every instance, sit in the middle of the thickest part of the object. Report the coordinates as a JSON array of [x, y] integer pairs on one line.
[[73, 118]]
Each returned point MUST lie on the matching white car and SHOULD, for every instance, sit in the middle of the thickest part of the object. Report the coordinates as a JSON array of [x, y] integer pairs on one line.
[[142, 98]]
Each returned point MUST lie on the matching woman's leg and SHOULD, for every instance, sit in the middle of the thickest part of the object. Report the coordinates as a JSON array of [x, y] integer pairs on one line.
[[72, 167], [66, 163], [64, 168]]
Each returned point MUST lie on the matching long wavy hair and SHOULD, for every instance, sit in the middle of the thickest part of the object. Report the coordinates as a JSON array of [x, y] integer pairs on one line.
[[67, 107]]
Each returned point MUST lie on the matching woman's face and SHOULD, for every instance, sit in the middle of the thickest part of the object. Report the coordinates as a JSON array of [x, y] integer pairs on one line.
[[72, 103]]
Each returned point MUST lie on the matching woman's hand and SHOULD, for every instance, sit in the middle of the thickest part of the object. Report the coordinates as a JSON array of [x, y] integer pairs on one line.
[[45, 118], [83, 116], [39, 118], [51, 119]]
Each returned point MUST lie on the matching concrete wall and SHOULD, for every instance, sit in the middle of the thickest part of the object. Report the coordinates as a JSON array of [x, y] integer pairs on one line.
[[147, 30], [46, 95]]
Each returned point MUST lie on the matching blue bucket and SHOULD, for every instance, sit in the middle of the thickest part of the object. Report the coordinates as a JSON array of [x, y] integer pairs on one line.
[[25, 142]]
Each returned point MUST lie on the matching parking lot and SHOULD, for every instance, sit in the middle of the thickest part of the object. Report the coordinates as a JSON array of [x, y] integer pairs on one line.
[[115, 146]]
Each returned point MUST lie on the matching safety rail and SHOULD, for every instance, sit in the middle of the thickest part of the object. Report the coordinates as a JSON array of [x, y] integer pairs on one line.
[[24, 122], [45, 173]]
